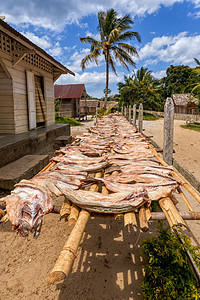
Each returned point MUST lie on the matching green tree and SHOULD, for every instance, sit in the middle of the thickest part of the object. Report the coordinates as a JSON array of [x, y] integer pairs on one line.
[[142, 87], [179, 80], [114, 32]]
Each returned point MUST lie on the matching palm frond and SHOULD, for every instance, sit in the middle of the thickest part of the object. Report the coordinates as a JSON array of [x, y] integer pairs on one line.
[[128, 35], [91, 57], [130, 49], [114, 35], [90, 40], [112, 64]]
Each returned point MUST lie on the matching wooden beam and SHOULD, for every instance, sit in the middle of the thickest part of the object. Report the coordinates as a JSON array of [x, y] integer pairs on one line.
[[5, 68], [22, 53]]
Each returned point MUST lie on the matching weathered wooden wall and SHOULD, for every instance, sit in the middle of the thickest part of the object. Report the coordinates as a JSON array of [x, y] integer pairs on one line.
[[14, 93], [6, 104]]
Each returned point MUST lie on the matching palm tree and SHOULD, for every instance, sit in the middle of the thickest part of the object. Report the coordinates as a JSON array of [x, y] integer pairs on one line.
[[113, 34]]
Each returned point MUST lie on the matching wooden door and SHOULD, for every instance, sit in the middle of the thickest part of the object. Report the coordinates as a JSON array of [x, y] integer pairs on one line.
[[31, 99]]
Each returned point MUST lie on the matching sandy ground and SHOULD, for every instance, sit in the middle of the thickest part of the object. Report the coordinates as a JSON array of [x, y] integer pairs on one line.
[[186, 143], [108, 265]]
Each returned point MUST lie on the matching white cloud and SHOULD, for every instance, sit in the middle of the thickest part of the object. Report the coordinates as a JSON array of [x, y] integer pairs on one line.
[[56, 50], [42, 42], [54, 15], [178, 49], [95, 36], [94, 81]]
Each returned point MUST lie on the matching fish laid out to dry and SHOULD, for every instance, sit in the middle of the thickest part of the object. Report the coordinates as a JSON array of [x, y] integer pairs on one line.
[[26, 206], [155, 192], [111, 145], [112, 203]]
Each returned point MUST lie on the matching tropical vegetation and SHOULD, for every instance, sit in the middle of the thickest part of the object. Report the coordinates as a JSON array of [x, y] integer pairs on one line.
[[141, 87], [167, 272], [114, 32]]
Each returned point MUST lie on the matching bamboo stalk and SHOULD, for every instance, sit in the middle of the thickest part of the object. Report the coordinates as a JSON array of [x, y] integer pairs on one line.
[[190, 215], [185, 199], [65, 208], [171, 212], [130, 219], [143, 220], [68, 253], [73, 217]]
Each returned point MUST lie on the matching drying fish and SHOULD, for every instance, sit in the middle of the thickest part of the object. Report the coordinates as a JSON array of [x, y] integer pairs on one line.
[[26, 206], [145, 177], [155, 192], [113, 203], [76, 159], [75, 169]]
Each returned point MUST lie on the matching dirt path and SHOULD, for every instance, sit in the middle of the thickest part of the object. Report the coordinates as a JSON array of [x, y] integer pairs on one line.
[[186, 143], [108, 265]]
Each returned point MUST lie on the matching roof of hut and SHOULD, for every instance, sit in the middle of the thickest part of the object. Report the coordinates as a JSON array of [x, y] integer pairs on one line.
[[11, 32], [68, 91], [183, 99]]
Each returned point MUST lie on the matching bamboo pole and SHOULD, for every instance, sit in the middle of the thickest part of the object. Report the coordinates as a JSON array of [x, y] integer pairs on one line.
[[171, 212], [68, 253], [185, 199], [143, 220], [73, 217], [130, 219]]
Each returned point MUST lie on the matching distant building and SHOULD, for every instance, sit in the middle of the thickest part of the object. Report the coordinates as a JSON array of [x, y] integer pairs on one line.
[[185, 104], [27, 76], [70, 96], [88, 107]]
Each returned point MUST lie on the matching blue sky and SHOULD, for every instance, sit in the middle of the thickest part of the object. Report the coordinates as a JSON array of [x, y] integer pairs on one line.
[[170, 31]]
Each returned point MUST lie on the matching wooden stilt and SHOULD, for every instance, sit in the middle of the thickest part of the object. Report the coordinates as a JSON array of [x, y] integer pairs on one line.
[[68, 253], [171, 212], [143, 220]]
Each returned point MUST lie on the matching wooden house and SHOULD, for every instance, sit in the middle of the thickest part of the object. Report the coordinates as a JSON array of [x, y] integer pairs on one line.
[[88, 106], [27, 76], [70, 96], [185, 104]]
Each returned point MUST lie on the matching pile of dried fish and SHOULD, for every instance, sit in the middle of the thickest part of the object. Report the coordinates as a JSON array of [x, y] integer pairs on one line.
[[113, 145]]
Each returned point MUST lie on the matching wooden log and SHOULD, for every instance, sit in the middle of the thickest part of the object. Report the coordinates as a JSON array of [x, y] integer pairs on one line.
[[134, 115], [140, 118], [130, 219], [143, 220], [129, 114], [190, 215], [168, 131], [73, 217], [171, 212], [68, 253]]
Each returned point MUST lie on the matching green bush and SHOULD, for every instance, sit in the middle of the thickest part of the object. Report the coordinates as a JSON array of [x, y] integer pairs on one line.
[[167, 274], [67, 120]]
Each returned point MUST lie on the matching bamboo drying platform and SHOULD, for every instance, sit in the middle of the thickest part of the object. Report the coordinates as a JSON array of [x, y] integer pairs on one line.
[[77, 218], [140, 217]]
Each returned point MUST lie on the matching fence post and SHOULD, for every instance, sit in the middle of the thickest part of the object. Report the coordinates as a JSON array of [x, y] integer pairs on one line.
[[168, 131], [125, 111], [134, 115], [122, 110], [129, 114], [140, 118]]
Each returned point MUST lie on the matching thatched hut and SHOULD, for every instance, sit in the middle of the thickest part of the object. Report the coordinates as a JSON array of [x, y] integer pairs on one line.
[[185, 104]]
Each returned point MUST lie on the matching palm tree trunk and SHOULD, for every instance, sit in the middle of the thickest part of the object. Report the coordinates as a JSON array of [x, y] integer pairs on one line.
[[107, 77]]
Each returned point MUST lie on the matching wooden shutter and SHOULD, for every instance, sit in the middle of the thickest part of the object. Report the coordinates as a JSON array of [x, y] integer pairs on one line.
[[31, 99]]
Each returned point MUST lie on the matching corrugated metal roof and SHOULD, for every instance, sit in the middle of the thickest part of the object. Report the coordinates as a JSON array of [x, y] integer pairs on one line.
[[68, 91], [183, 99], [24, 41]]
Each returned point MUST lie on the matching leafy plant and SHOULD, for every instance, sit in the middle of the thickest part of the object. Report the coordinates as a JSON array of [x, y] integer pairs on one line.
[[102, 112], [193, 126], [167, 274], [67, 120]]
